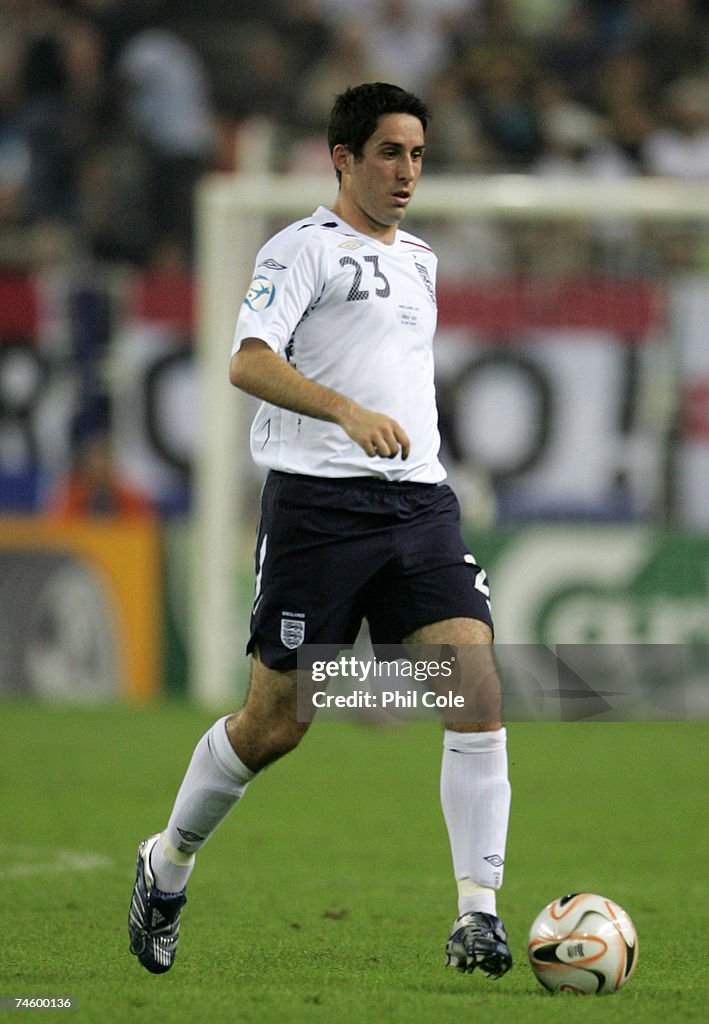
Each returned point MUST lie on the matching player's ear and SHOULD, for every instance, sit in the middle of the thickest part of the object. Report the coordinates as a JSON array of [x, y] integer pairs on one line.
[[341, 157]]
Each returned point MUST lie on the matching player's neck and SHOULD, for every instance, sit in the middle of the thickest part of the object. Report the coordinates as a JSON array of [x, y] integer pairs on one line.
[[362, 222]]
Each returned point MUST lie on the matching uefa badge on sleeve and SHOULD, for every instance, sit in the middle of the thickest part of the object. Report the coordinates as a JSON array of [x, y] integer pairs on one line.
[[260, 294]]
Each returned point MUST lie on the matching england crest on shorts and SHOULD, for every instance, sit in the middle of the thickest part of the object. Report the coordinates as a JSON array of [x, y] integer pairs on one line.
[[292, 629]]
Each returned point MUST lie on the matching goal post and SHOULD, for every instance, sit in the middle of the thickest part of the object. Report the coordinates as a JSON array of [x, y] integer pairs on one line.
[[235, 214]]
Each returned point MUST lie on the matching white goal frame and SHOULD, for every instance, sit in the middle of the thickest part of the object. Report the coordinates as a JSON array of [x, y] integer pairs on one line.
[[232, 212]]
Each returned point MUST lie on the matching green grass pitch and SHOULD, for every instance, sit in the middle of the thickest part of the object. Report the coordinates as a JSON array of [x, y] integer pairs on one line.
[[327, 896]]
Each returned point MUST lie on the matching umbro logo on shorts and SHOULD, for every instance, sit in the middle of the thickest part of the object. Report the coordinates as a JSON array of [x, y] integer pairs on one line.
[[292, 629]]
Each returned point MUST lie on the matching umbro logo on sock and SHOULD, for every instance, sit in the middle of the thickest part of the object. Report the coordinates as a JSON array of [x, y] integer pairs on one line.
[[495, 860], [190, 837]]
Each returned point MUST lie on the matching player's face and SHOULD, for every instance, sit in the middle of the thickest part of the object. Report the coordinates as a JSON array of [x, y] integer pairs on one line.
[[377, 186]]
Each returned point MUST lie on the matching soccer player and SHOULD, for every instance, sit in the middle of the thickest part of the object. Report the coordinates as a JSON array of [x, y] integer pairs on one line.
[[335, 337]]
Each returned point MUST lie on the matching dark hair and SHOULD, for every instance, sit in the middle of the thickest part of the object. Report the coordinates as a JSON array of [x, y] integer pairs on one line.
[[356, 112]]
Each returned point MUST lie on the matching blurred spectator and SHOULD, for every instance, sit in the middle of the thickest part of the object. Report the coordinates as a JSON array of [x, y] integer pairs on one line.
[[540, 18], [501, 73], [680, 148], [409, 42], [346, 62], [628, 95], [454, 141], [339, 11], [87, 99], [406, 43], [167, 106], [625, 77], [15, 156], [629, 127], [573, 51], [305, 32], [263, 82], [114, 184], [117, 20], [94, 487], [41, 116], [672, 36], [616, 21], [53, 106], [578, 140], [573, 138]]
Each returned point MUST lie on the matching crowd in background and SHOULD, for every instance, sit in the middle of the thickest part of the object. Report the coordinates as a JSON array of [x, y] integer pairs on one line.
[[111, 110]]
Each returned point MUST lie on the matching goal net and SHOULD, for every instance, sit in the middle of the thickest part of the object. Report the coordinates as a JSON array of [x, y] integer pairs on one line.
[[572, 364]]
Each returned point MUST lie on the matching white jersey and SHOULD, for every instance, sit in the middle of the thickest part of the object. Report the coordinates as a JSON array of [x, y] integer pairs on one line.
[[357, 316]]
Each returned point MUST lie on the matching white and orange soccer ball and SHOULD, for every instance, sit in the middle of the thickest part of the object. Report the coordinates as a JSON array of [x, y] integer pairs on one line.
[[584, 944]]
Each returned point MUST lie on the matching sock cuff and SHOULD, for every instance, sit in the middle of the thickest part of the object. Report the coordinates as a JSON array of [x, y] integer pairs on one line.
[[172, 854], [468, 888], [224, 754], [475, 742]]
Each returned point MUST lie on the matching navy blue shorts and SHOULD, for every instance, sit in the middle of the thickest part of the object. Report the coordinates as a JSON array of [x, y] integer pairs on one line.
[[332, 552]]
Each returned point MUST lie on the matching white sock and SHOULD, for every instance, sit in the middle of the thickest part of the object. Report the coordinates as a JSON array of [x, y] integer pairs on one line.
[[171, 869], [475, 796], [214, 782]]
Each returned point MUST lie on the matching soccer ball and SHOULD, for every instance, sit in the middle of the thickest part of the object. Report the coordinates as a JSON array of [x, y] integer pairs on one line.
[[583, 943]]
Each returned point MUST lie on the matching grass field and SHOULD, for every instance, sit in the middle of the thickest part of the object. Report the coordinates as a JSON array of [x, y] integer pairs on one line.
[[327, 896]]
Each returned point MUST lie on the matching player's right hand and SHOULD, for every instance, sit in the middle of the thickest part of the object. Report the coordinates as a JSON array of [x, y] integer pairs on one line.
[[378, 435]]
